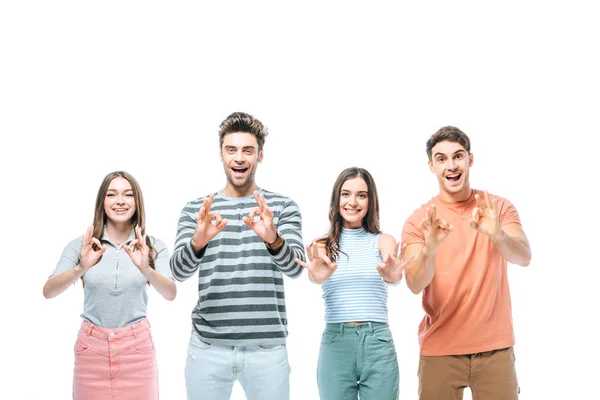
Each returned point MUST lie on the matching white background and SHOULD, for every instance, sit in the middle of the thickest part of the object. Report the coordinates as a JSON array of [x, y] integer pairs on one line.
[[91, 87]]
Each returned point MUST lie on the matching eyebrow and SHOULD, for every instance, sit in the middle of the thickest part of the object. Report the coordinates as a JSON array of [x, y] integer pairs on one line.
[[235, 147], [115, 190], [360, 191], [456, 152]]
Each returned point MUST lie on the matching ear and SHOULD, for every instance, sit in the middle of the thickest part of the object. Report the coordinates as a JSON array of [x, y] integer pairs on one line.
[[260, 156], [430, 166], [471, 160]]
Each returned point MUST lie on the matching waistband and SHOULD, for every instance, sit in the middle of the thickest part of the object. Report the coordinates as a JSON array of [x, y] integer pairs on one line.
[[113, 333], [344, 327]]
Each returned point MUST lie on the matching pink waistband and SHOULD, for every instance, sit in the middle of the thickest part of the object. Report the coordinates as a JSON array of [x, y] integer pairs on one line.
[[112, 333]]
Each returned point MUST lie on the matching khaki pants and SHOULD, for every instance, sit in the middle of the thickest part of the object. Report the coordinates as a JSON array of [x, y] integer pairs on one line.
[[491, 375]]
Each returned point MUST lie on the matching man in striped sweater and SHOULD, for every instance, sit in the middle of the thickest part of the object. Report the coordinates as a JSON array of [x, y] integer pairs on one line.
[[241, 240]]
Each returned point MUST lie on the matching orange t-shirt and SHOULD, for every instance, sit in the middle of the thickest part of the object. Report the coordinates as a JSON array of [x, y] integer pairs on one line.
[[467, 304]]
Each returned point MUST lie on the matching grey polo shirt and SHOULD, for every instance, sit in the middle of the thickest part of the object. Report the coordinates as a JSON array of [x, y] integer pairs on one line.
[[115, 292]]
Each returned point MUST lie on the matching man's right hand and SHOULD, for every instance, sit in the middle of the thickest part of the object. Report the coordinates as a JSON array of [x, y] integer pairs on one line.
[[205, 229], [435, 229]]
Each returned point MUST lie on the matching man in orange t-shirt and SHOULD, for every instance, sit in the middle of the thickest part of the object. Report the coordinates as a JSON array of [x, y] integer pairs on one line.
[[462, 239]]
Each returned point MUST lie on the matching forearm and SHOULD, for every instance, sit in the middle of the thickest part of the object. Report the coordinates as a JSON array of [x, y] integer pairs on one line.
[[420, 272], [184, 262], [57, 284], [163, 285], [514, 249], [285, 259]]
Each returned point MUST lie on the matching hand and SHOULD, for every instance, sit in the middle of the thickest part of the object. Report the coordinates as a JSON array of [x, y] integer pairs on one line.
[[485, 216], [435, 229], [88, 257], [320, 266], [264, 227], [205, 229], [392, 265], [139, 251]]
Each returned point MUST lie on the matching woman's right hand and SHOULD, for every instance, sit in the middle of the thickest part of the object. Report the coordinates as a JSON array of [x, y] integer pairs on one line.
[[320, 267], [88, 257]]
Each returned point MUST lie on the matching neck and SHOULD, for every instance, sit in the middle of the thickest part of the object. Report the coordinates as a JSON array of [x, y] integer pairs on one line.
[[457, 197], [239, 191], [118, 232]]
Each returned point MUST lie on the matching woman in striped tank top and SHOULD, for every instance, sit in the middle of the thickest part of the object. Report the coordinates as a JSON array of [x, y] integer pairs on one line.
[[354, 263]]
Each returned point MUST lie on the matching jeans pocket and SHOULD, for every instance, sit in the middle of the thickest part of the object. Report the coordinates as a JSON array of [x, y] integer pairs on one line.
[[328, 337], [384, 335], [80, 347], [270, 347], [198, 343], [145, 346]]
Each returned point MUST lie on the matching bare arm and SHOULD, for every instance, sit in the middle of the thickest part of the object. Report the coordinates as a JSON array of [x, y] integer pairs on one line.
[[513, 245], [420, 272], [57, 284]]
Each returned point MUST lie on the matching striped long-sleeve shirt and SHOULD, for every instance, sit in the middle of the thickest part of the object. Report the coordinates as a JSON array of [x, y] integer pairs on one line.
[[240, 284]]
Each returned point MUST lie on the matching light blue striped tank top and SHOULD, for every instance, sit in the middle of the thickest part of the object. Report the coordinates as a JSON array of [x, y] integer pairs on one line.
[[356, 291]]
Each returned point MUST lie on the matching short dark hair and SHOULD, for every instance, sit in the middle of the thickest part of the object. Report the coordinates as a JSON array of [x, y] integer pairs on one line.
[[242, 122], [450, 134]]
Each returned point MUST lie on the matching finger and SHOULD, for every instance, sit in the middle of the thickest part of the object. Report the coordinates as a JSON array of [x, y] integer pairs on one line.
[[486, 195], [253, 213], [303, 264], [476, 214], [433, 213], [207, 203], [215, 215], [222, 224], [494, 204], [248, 221], [258, 199], [133, 244], [480, 203], [472, 224], [88, 236], [315, 251], [309, 251], [332, 267], [402, 250], [97, 243]]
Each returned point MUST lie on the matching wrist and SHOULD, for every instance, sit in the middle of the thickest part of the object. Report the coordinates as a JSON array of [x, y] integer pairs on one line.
[[275, 244], [498, 236]]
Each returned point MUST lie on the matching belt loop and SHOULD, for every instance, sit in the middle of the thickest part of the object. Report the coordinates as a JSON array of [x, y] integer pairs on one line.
[[91, 327], [341, 329], [370, 327], [134, 331]]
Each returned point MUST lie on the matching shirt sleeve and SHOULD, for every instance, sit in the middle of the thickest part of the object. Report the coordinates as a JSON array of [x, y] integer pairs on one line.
[[161, 261], [184, 262], [290, 228], [69, 257]]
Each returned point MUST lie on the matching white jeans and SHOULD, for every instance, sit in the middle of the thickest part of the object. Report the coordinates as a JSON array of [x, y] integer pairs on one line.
[[211, 370]]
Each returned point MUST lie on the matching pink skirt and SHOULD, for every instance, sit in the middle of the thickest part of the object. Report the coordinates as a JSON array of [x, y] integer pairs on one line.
[[115, 364]]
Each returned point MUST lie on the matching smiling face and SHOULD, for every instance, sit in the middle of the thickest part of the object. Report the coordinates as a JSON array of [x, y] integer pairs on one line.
[[354, 202], [119, 201], [240, 156], [450, 162]]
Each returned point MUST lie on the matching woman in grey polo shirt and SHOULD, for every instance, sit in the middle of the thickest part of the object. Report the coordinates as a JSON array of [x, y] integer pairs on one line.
[[116, 261]]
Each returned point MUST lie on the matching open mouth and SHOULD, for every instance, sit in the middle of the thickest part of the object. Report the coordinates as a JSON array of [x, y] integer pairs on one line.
[[453, 177], [120, 210], [239, 170]]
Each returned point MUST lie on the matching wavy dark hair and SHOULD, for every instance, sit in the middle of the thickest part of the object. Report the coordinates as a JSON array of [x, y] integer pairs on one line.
[[370, 221]]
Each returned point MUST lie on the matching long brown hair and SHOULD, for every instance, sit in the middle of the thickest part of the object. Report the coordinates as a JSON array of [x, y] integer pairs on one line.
[[138, 218], [371, 219]]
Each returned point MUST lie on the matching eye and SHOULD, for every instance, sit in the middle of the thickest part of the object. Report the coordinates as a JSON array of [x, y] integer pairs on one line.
[[230, 150], [129, 195], [249, 151], [110, 195], [441, 159], [344, 194], [459, 156], [362, 195]]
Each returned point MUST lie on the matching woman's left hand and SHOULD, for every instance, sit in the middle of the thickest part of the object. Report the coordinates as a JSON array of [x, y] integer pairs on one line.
[[138, 251]]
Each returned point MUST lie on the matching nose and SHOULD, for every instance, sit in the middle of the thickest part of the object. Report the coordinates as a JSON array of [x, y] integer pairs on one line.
[[239, 156], [352, 201], [451, 163]]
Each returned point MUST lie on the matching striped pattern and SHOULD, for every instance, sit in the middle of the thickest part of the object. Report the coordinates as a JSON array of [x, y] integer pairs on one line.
[[240, 284], [356, 291]]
